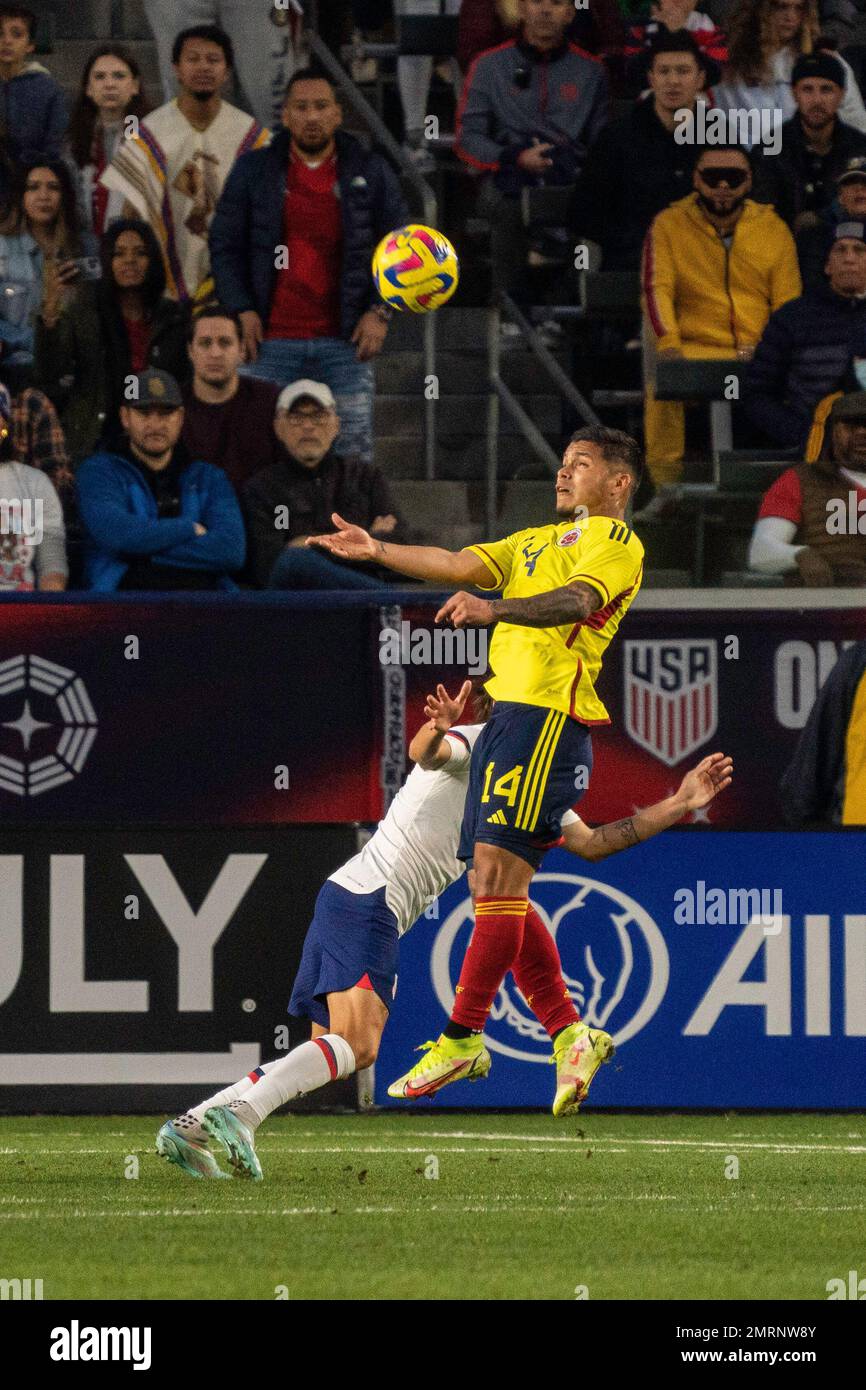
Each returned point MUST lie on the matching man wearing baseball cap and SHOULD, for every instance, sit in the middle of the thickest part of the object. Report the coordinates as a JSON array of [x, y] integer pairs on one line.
[[808, 345], [808, 527], [800, 180], [849, 205], [154, 517], [308, 482]]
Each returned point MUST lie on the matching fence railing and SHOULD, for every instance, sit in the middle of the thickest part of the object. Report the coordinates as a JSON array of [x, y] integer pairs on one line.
[[501, 395], [430, 213]]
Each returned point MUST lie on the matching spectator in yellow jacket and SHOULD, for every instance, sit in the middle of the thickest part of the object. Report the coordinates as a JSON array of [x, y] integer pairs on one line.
[[715, 266]]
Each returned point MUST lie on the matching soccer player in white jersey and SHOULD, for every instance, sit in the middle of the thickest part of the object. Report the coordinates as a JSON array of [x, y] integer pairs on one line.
[[347, 977]]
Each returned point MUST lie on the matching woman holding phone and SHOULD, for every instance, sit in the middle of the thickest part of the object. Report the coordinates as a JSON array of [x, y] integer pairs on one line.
[[41, 253], [106, 331]]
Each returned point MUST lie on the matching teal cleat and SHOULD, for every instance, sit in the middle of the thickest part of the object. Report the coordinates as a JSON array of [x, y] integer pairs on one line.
[[222, 1124], [192, 1157]]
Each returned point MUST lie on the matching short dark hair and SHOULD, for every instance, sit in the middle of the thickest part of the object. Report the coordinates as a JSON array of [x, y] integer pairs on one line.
[[679, 42], [309, 75], [211, 33], [214, 311], [724, 149], [616, 447], [20, 12]]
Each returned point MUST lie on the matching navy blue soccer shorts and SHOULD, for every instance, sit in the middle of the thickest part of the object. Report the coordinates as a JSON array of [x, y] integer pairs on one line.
[[352, 940], [529, 766]]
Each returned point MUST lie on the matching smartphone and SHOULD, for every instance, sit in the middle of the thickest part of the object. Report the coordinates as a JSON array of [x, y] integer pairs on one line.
[[89, 267]]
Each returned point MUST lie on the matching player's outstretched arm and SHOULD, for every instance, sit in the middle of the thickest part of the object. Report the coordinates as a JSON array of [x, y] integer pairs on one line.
[[697, 789], [350, 542], [430, 748], [570, 604]]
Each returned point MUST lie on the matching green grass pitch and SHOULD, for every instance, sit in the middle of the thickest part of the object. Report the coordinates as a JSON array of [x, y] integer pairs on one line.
[[623, 1206]]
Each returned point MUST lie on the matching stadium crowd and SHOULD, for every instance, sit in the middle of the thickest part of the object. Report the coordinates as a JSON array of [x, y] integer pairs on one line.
[[189, 326]]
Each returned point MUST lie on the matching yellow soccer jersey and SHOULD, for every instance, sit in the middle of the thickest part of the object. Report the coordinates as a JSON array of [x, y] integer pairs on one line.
[[557, 667]]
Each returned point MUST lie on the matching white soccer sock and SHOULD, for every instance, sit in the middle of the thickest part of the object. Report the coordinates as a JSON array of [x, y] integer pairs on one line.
[[305, 1069], [224, 1097]]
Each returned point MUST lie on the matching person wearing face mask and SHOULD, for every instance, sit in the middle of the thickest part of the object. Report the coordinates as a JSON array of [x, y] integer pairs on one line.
[[110, 93], [715, 266], [799, 179], [803, 532], [849, 205], [808, 344]]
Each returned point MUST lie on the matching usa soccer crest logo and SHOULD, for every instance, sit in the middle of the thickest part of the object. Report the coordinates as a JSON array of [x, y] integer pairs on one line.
[[671, 696]]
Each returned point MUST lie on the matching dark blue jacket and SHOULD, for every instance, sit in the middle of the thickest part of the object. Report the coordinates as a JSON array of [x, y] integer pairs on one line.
[[34, 115], [120, 518], [248, 226], [804, 354]]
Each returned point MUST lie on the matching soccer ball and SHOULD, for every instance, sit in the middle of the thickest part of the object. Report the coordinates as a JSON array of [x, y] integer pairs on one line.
[[415, 268]]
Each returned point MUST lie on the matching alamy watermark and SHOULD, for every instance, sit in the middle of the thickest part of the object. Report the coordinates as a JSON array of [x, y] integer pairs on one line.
[[24, 1290], [22, 517], [846, 517], [423, 646], [740, 907], [711, 125]]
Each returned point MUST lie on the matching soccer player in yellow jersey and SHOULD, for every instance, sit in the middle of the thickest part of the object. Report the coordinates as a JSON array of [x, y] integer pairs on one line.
[[565, 589]]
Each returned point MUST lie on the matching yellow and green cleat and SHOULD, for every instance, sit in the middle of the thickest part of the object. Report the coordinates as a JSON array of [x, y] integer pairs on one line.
[[444, 1061], [579, 1052]]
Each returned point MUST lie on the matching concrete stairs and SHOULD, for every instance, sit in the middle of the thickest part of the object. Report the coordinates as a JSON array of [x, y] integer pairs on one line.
[[461, 410]]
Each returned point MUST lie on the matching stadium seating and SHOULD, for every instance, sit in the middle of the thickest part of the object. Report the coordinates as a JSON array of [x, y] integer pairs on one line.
[[596, 308]]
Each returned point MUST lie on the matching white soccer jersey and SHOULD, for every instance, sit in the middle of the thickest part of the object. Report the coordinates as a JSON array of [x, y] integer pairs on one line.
[[413, 854]]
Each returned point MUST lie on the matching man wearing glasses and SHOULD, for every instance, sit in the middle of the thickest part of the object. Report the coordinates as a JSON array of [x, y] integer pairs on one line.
[[715, 266], [297, 495]]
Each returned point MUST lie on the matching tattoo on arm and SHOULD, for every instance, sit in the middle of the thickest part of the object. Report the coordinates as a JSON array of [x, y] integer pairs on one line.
[[620, 834], [558, 606]]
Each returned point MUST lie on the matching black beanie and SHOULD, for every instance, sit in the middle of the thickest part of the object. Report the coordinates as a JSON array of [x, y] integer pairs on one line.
[[819, 64]]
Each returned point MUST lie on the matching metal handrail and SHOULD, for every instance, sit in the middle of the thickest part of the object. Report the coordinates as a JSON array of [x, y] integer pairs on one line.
[[550, 364], [501, 395], [430, 214]]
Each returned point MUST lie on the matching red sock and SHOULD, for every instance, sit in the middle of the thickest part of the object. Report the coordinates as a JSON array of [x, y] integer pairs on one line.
[[492, 951], [537, 973]]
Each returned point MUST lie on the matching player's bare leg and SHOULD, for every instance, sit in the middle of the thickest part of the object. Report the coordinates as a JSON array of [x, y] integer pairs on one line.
[[357, 1017]]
